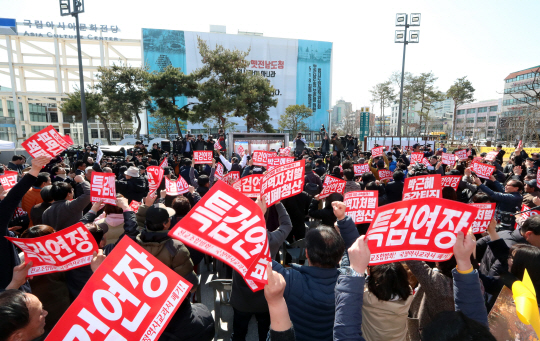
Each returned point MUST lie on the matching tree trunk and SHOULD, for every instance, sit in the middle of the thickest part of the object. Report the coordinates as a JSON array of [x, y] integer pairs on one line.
[[106, 128], [138, 132], [177, 127], [454, 121]]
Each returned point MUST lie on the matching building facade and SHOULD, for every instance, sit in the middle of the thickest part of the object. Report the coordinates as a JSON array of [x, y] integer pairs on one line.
[[340, 111], [478, 120]]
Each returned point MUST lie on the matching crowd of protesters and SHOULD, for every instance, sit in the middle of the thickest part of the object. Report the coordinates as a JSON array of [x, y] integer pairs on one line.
[[335, 295]]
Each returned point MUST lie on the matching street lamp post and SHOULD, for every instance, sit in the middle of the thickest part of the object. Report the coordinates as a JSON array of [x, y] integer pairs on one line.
[[73, 8], [401, 37], [329, 121]]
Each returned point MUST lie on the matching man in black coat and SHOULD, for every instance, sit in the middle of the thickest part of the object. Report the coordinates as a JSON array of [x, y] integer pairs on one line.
[[133, 188], [394, 189]]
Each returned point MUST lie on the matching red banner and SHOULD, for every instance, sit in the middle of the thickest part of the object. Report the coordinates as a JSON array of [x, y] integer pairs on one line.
[[229, 226], [359, 170], [260, 157], [486, 212], [482, 170], [275, 161], [46, 142], [538, 174], [250, 185], [448, 159], [155, 175], [461, 154], [283, 182], [201, 157], [426, 186], [131, 296], [450, 181], [67, 249], [424, 229], [385, 174], [164, 163], [377, 151], [103, 187], [332, 185], [231, 177], [241, 151], [361, 205], [8, 180], [285, 151], [176, 187], [416, 157], [492, 155], [135, 206], [218, 174]]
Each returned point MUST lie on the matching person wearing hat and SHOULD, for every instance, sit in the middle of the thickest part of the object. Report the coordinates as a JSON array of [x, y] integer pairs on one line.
[[133, 187], [531, 191]]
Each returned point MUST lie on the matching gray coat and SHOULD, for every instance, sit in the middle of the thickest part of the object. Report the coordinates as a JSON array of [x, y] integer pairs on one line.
[[64, 213]]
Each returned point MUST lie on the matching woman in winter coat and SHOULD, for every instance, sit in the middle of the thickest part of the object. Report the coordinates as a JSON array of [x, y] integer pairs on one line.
[[113, 217]]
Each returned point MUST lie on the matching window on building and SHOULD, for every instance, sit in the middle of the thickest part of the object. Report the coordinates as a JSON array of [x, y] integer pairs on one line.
[[35, 129], [470, 120], [461, 112], [459, 120], [471, 111], [94, 133], [481, 119], [490, 133], [492, 118], [494, 108], [54, 116], [116, 135], [483, 109]]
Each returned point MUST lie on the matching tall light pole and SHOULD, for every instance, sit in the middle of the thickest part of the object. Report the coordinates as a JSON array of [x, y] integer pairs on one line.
[[73, 8], [401, 37]]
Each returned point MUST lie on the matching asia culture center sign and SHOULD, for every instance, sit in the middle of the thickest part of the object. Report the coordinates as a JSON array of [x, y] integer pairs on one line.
[[299, 70]]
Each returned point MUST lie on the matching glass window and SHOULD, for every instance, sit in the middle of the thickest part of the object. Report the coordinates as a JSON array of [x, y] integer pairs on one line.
[[471, 111], [94, 133], [481, 119], [492, 118], [494, 108], [461, 112], [490, 133], [35, 129], [116, 135], [483, 109], [459, 120], [470, 120]]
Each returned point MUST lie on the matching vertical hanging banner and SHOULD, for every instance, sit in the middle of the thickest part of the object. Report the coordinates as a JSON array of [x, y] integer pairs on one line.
[[155, 175], [486, 212], [424, 229], [359, 170], [218, 174], [417, 157], [64, 250], [229, 226], [361, 205], [131, 296], [331, 185], [461, 154], [46, 142], [451, 181], [260, 157], [377, 151], [103, 187], [426, 186], [448, 159], [8, 180], [201, 157], [283, 182], [385, 174], [285, 151], [482, 170], [250, 185], [231, 177], [176, 187], [278, 161]]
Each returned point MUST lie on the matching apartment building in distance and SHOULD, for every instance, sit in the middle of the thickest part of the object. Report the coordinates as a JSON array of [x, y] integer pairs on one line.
[[478, 120]]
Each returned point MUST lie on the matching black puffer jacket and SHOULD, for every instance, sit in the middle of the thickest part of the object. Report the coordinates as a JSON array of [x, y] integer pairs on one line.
[[132, 189]]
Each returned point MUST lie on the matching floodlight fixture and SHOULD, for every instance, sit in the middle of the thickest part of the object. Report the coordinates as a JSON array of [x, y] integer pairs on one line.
[[401, 19], [400, 36], [415, 19], [71, 7], [414, 36]]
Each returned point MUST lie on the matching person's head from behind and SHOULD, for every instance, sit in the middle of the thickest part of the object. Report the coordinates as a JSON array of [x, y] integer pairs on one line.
[[204, 181], [37, 231], [449, 193], [481, 198], [530, 230], [318, 162], [524, 256], [336, 172], [347, 164], [43, 179], [22, 317], [348, 174], [324, 247], [158, 218], [389, 281], [368, 177], [308, 167], [112, 209], [455, 326], [331, 198], [61, 191], [181, 206], [187, 162], [398, 176], [46, 194], [372, 186]]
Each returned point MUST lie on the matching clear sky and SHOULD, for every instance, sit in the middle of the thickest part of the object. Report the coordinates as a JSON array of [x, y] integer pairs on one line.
[[484, 40]]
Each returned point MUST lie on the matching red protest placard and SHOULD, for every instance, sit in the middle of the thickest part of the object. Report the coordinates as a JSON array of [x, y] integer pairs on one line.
[[486, 212], [477, 159], [538, 173], [283, 182], [218, 174], [275, 161], [450, 181], [492, 155], [202, 157], [448, 159], [423, 230], [461, 154], [520, 144], [426, 186], [176, 187], [46, 142], [135, 206], [482, 170], [67, 249], [361, 169], [385, 174], [526, 215], [426, 163], [331, 185], [416, 157], [361, 205], [229, 226], [377, 151], [250, 185], [217, 146], [285, 151], [241, 150], [131, 296], [164, 164], [231, 177], [8, 180], [103, 187], [260, 157], [155, 174]]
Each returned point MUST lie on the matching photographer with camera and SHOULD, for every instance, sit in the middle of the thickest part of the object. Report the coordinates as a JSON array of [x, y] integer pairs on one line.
[[210, 143], [299, 144], [338, 145]]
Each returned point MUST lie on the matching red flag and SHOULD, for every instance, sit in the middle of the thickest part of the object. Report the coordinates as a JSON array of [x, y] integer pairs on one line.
[[359, 170], [176, 187], [283, 182], [229, 226], [482, 170], [486, 212], [103, 187], [450, 181], [423, 229], [448, 159], [377, 151], [426, 186], [250, 185], [155, 175], [332, 185], [385, 174], [131, 296], [46, 142], [361, 205], [202, 157]]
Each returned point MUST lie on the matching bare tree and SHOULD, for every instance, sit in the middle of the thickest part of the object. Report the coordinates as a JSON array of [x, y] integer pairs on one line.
[[427, 94], [384, 95]]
